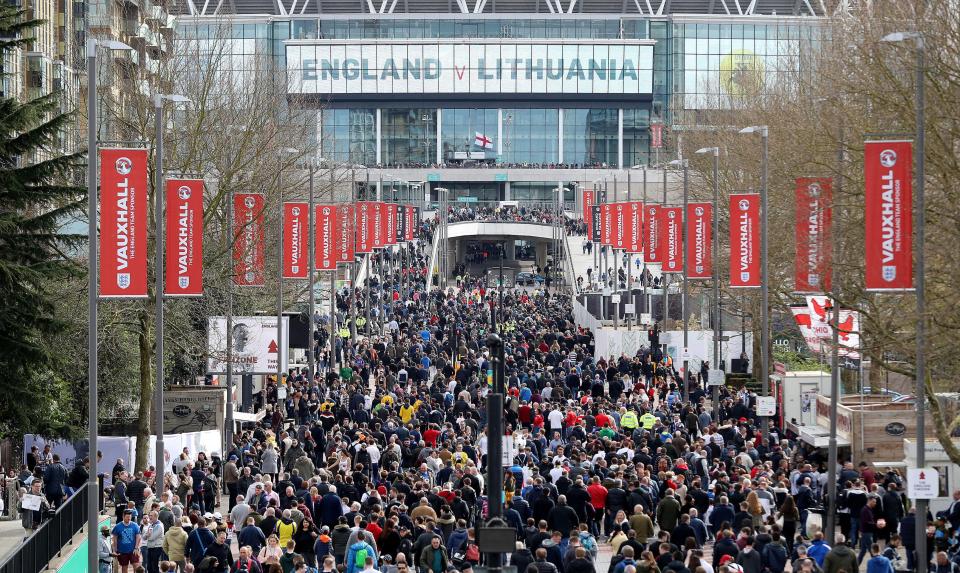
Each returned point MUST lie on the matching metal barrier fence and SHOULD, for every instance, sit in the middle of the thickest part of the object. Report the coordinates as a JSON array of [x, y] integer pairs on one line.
[[48, 541]]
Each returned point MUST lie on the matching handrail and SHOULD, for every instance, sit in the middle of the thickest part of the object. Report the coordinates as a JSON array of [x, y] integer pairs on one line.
[[33, 555], [434, 248]]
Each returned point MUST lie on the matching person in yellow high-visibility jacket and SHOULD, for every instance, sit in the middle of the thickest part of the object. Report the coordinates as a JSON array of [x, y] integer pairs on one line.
[[647, 420], [629, 420]]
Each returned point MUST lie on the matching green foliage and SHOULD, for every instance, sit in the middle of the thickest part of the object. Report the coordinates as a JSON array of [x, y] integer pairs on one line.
[[796, 361], [35, 200]]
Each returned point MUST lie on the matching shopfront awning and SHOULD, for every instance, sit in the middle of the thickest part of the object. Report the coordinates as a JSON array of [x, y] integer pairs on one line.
[[819, 437]]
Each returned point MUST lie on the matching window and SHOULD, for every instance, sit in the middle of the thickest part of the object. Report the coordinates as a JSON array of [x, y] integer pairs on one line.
[[349, 135]]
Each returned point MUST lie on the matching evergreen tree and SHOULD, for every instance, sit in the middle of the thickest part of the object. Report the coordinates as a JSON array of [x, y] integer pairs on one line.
[[36, 200]]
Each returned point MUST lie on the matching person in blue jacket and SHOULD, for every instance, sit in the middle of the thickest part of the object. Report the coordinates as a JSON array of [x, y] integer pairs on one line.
[[359, 551]]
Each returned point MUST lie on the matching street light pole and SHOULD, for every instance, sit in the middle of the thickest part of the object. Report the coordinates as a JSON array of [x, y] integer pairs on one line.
[[715, 151], [311, 264]]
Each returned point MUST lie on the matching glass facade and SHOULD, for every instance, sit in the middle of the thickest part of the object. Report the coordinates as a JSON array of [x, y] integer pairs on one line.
[[350, 135], [408, 136], [530, 136]]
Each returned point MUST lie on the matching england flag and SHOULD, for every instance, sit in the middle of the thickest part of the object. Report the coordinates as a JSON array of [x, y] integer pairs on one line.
[[481, 140]]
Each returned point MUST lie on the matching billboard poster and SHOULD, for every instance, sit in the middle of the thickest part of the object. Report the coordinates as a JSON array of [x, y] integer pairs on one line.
[[635, 224], [672, 228], [812, 231], [654, 247], [296, 223], [364, 227], [325, 221], [588, 202], [819, 307], [123, 223], [801, 314], [183, 272], [248, 239], [744, 240], [344, 235], [194, 409], [699, 236], [888, 172], [254, 344]]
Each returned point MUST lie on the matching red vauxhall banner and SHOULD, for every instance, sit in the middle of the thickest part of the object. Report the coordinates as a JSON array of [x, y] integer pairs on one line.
[[123, 223], [699, 234], [888, 172], [588, 201], [344, 234], [391, 221], [296, 225], [812, 230], [410, 228], [364, 227], [654, 247], [325, 221], [635, 217], [620, 221], [606, 224], [183, 273], [248, 239], [378, 224], [672, 229], [745, 240]]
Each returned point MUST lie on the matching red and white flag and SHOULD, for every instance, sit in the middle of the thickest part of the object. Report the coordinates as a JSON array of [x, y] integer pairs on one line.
[[481, 140], [672, 239], [888, 172], [699, 234], [248, 239], [812, 231], [183, 274], [296, 227], [744, 240], [123, 223]]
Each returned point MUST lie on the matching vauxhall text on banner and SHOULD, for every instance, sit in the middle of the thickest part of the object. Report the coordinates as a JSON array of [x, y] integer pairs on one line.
[[588, 202], [296, 220], [183, 274], [391, 222], [326, 221], [248, 239], [410, 227], [813, 217], [620, 222], [654, 247], [672, 239], [596, 221], [699, 259], [888, 172], [364, 227], [123, 223], [745, 240], [635, 225], [344, 234], [606, 224]]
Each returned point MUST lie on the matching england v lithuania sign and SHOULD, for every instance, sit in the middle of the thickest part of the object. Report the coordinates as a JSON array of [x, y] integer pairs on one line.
[[477, 67]]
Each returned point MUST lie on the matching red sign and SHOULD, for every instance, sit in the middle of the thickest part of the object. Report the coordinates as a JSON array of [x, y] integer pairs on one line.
[[812, 227], [364, 227], [378, 231], [123, 223], [745, 240], [699, 234], [621, 218], [588, 201], [183, 274], [656, 135], [248, 239], [391, 223], [325, 220], [635, 218], [888, 168], [672, 239], [296, 225], [606, 224], [344, 235], [409, 230], [654, 246]]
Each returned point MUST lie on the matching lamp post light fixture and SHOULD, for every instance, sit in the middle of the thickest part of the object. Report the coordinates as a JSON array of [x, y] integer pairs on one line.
[[717, 330], [764, 275]]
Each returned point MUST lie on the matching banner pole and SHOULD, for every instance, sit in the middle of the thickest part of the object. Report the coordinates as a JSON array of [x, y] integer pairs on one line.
[[311, 253], [159, 222], [228, 430]]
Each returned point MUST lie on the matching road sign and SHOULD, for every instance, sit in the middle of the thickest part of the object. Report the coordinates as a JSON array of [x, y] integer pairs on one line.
[[716, 377], [685, 354], [923, 483], [766, 405]]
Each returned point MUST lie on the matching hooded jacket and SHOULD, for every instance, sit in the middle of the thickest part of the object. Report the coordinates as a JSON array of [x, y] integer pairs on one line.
[[351, 558], [457, 540], [840, 557], [339, 538], [323, 546], [175, 543]]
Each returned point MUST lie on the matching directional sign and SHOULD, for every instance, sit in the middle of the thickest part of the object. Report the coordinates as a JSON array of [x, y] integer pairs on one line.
[[923, 483], [646, 318], [716, 377], [685, 354], [766, 405]]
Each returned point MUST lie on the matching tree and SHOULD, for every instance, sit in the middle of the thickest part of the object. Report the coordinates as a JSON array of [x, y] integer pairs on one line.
[[36, 197]]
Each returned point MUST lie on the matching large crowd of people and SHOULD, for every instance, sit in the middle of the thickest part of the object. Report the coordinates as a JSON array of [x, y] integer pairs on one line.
[[379, 462]]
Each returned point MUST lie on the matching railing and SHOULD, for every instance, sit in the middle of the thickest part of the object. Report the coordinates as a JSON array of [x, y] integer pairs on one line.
[[49, 540]]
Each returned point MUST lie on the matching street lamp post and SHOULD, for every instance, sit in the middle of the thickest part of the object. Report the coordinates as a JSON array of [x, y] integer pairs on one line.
[[280, 341], [158, 192], [764, 275], [920, 104], [715, 151], [684, 302], [93, 276], [312, 269]]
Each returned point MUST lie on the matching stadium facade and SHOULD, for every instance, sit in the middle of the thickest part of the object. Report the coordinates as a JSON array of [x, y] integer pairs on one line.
[[505, 99]]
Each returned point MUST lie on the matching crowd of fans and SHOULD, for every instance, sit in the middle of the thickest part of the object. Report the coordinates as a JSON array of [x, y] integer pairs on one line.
[[378, 463]]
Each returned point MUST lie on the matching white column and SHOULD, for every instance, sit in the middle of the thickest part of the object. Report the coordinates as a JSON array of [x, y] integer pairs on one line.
[[379, 146], [499, 132], [439, 145], [620, 138], [507, 196], [560, 135]]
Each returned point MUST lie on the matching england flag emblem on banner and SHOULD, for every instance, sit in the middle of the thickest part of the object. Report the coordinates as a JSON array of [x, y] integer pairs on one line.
[[481, 140]]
